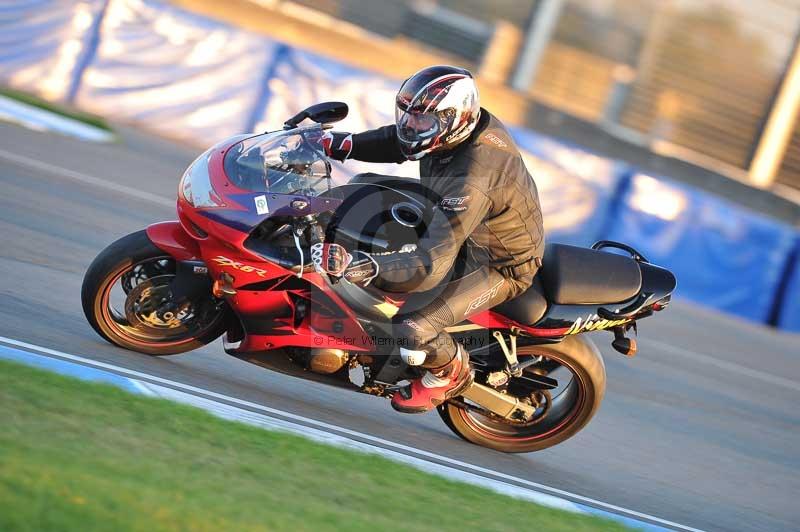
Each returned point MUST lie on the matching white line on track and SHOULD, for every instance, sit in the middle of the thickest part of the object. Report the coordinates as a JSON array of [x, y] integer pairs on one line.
[[724, 364], [359, 435], [59, 171]]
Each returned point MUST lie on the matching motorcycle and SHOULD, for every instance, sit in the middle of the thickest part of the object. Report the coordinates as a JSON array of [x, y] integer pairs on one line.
[[237, 264]]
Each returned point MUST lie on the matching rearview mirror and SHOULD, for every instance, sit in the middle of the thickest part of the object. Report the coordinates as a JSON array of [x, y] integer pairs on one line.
[[321, 113]]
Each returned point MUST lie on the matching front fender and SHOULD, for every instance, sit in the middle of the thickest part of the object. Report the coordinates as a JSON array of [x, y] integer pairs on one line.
[[171, 238]]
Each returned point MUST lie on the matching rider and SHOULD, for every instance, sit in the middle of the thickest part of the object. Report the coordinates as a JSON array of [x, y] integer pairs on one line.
[[484, 243]]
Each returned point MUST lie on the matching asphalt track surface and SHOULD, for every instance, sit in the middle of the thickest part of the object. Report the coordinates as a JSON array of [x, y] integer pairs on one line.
[[702, 428]]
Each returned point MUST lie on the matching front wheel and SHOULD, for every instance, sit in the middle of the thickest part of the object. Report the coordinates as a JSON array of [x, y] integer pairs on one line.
[[126, 298], [575, 364]]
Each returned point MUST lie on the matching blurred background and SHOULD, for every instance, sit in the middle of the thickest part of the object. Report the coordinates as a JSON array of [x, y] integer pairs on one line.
[[669, 124], [697, 78]]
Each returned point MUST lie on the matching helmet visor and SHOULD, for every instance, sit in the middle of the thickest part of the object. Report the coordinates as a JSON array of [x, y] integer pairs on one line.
[[415, 126]]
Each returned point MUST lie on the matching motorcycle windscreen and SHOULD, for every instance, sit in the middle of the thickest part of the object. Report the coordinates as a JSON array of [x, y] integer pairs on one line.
[[290, 162]]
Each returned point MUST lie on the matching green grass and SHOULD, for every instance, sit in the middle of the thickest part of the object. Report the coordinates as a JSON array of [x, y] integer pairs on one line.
[[84, 456], [35, 101]]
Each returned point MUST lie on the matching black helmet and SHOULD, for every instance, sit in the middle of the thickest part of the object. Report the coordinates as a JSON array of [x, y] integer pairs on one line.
[[436, 109]]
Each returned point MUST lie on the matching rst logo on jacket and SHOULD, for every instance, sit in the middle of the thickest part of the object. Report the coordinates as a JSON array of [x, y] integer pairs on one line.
[[484, 298], [454, 204], [497, 141]]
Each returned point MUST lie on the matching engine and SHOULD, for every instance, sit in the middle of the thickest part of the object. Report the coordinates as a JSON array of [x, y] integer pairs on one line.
[[326, 360]]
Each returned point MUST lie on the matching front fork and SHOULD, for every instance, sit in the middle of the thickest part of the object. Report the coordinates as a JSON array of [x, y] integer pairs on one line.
[[191, 280], [191, 273]]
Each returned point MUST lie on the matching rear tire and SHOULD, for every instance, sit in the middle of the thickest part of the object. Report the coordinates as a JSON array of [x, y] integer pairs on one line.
[[583, 359], [107, 269]]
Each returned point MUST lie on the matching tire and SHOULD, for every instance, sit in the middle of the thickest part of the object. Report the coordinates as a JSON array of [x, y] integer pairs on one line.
[[109, 267], [583, 360]]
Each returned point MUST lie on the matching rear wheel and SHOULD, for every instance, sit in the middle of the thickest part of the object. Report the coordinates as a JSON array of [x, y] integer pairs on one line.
[[127, 299], [561, 412]]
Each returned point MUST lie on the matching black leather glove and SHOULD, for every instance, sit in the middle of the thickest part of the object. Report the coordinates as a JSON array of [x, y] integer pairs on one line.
[[358, 268], [337, 144], [330, 258]]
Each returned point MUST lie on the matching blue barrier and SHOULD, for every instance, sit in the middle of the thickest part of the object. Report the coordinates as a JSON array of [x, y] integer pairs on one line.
[[576, 187], [181, 74], [723, 256], [788, 313], [44, 44], [86, 57]]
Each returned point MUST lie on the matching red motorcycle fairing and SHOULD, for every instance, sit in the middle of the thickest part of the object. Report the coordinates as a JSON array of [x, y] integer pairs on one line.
[[289, 312], [173, 239], [267, 294]]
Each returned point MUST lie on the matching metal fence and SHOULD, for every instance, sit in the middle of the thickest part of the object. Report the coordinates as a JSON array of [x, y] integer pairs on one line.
[[700, 74], [461, 28], [789, 174]]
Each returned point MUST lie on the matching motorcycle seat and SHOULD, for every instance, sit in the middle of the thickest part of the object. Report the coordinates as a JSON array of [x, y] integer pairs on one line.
[[574, 276], [528, 307], [580, 276]]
